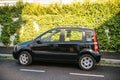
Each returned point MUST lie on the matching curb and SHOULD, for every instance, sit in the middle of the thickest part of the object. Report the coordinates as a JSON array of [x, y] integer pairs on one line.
[[103, 62], [6, 55], [109, 62]]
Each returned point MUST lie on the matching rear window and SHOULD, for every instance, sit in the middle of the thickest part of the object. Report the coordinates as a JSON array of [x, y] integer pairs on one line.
[[89, 36]]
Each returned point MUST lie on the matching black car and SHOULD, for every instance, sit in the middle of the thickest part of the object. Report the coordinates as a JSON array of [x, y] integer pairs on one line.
[[61, 44]]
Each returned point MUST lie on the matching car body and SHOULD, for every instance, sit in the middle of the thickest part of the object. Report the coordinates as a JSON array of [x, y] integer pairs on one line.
[[61, 44]]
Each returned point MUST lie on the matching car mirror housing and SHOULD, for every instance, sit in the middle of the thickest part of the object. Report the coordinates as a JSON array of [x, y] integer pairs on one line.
[[38, 41]]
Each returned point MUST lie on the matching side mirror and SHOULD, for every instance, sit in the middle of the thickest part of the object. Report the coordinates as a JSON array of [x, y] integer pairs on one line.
[[38, 41]]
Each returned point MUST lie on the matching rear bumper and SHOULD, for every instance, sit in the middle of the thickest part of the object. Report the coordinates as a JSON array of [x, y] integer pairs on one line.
[[97, 56]]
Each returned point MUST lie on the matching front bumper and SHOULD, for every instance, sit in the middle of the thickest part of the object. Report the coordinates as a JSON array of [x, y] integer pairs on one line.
[[15, 55], [15, 52]]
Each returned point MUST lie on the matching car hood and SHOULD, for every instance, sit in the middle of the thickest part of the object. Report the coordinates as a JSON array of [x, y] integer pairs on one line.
[[25, 43]]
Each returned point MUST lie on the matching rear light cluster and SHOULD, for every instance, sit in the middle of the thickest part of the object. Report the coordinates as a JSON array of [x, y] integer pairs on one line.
[[95, 42]]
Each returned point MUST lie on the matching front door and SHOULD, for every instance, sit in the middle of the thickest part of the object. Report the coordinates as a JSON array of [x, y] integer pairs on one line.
[[47, 46]]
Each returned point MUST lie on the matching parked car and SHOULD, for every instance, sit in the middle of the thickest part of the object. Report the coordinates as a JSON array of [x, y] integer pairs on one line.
[[61, 44]]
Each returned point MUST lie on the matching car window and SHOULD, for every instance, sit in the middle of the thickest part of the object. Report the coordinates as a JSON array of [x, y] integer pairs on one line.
[[89, 36], [51, 36], [73, 35]]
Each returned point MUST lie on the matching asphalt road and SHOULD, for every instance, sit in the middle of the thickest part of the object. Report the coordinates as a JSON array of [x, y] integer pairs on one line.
[[9, 70]]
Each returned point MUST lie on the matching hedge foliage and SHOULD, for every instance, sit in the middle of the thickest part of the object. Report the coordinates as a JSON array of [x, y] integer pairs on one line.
[[99, 16], [10, 27]]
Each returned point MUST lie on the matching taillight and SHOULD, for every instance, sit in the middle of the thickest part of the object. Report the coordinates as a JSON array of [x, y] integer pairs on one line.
[[95, 42]]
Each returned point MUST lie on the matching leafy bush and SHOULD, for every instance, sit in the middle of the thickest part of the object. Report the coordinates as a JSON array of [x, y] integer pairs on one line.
[[99, 16], [7, 16], [110, 42]]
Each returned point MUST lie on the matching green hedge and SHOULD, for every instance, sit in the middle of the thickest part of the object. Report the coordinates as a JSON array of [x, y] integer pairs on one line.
[[99, 16], [7, 13]]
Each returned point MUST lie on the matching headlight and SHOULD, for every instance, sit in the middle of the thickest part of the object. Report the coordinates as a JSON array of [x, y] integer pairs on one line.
[[16, 47]]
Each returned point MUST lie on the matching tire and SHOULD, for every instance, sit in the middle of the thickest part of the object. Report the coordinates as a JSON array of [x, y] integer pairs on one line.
[[86, 62], [25, 58]]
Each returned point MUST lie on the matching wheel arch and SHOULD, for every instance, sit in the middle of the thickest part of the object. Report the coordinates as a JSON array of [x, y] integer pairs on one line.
[[27, 50], [86, 51]]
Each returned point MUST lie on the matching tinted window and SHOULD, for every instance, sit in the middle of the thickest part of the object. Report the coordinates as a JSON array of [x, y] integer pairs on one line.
[[89, 36], [51, 36], [73, 35]]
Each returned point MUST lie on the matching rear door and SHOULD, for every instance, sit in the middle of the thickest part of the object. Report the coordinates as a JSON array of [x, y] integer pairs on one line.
[[72, 44]]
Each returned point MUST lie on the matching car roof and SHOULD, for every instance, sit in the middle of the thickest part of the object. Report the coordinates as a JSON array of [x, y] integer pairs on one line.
[[84, 29]]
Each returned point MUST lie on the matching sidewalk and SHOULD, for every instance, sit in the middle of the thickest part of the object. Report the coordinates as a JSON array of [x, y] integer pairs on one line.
[[110, 59], [110, 55]]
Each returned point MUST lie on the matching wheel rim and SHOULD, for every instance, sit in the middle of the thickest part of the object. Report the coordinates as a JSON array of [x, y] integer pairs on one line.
[[24, 59], [86, 62]]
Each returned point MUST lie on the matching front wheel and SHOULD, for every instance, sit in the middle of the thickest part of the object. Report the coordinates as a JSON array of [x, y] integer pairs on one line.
[[86, 62], [25, 58]]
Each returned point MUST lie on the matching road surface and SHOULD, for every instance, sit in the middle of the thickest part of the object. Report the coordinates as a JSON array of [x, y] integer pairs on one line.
[[10, 70]]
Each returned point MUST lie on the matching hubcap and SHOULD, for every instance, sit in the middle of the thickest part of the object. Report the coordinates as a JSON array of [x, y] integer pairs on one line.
[[86, 62], [24, 59]]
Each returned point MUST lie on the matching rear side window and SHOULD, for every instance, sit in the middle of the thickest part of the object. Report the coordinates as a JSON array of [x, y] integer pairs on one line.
[[89, 36], [73, 35]]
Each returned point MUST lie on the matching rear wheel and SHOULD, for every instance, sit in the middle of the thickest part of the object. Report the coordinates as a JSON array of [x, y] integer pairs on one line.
[[25, 58], [86, 62]]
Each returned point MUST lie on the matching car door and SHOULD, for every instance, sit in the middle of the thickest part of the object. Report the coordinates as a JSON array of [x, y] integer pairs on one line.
[[47, 46], [72, 44]]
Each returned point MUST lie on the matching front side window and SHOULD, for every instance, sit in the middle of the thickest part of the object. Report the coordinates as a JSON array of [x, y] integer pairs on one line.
[[51, 36], [73, 35]]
